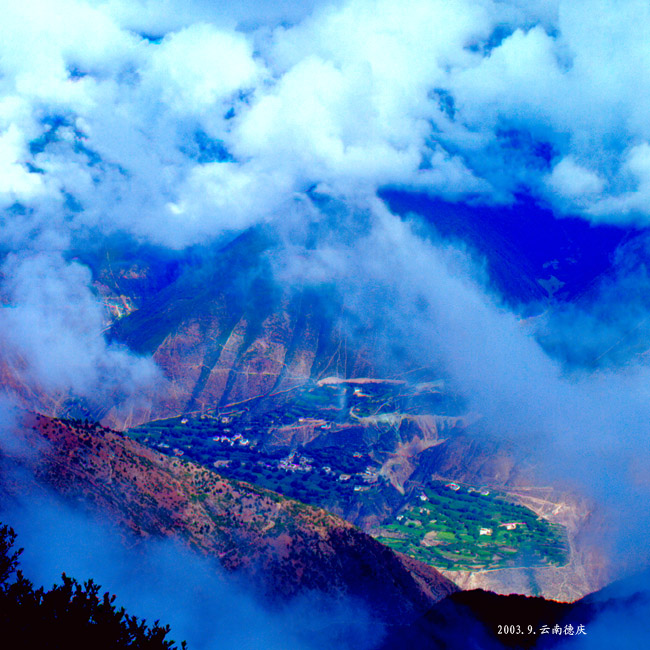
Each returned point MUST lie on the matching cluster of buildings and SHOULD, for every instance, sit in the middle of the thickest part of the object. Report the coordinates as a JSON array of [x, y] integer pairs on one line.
[[509, 525], [455, 487], [295, 463], [237, 439], [369, 475]]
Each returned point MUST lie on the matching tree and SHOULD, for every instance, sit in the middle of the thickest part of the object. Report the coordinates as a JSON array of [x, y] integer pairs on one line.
[[70, 616], [8, 558]]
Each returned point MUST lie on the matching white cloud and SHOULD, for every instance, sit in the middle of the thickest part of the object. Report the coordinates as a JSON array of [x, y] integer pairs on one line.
[[211, 128], [351, 97], [54, 326], [580, 85], [199, 66], [574, 182], [16, 183], [236, 196], [511, 82], [158, 17], [352, 106], [631, 204]]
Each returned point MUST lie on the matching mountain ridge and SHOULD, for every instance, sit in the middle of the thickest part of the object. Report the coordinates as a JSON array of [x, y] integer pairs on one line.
[[283, 545]]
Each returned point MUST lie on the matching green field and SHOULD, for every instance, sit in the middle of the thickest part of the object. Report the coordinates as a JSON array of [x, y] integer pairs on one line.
[[443, 531]]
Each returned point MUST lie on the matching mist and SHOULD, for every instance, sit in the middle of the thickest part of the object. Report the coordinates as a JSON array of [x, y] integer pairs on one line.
[[584, 427], [188, 124], [163, 580]]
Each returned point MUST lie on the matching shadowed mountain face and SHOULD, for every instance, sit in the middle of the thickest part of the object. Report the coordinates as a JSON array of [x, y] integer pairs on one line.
[[531, 256], [216, 323], [225, 332], [287, 368], [487, 621], [286, 547]]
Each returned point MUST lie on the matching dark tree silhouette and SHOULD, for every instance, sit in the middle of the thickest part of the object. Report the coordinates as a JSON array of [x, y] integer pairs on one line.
[[69, 616]]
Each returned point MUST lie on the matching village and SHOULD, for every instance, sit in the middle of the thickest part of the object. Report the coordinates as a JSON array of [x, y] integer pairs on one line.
[[447, 524], [325, 477], [472, 528]]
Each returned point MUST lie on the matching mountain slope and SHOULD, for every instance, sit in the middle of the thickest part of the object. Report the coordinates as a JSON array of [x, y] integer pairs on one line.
[[613, 617], [223, 332], [283, 545], [531, 256]]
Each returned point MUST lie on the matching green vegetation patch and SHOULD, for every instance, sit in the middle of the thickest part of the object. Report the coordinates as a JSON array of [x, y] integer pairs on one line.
[[467, 530]]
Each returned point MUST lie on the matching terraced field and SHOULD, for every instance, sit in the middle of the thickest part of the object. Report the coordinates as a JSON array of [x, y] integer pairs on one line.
[[464, 529], [333, 444]]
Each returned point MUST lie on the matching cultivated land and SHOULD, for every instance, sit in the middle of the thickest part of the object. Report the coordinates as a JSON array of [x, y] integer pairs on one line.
[[351, 446], [285, 547], [459, 528]]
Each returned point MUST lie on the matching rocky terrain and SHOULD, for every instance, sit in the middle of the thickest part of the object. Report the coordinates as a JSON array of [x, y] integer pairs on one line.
[[242, 355], [286, 547]]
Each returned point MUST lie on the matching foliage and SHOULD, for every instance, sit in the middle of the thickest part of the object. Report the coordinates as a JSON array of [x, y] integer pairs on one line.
[[70, 615], [452, 520]]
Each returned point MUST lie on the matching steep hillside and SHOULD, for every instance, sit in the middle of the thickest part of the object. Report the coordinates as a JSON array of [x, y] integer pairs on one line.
[[531, 257], [257, 377], [223, 332], [397, 460], [217, 325], [285, 546], [613, 617]]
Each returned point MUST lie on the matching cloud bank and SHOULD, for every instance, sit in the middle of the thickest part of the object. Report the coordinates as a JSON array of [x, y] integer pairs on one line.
[[160, 580], [186, 124], [203, 125]]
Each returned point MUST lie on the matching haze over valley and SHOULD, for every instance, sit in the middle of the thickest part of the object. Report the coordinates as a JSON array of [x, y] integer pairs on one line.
[[329, 320]]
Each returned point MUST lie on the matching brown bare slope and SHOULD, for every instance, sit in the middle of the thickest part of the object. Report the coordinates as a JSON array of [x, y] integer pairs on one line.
[[223, 332], [285, 546]]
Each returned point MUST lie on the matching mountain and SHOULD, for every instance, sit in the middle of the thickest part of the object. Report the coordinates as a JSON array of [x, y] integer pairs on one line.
[[224, 332], [613, 617], [246, 359], [531, 255], [284, 546]]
